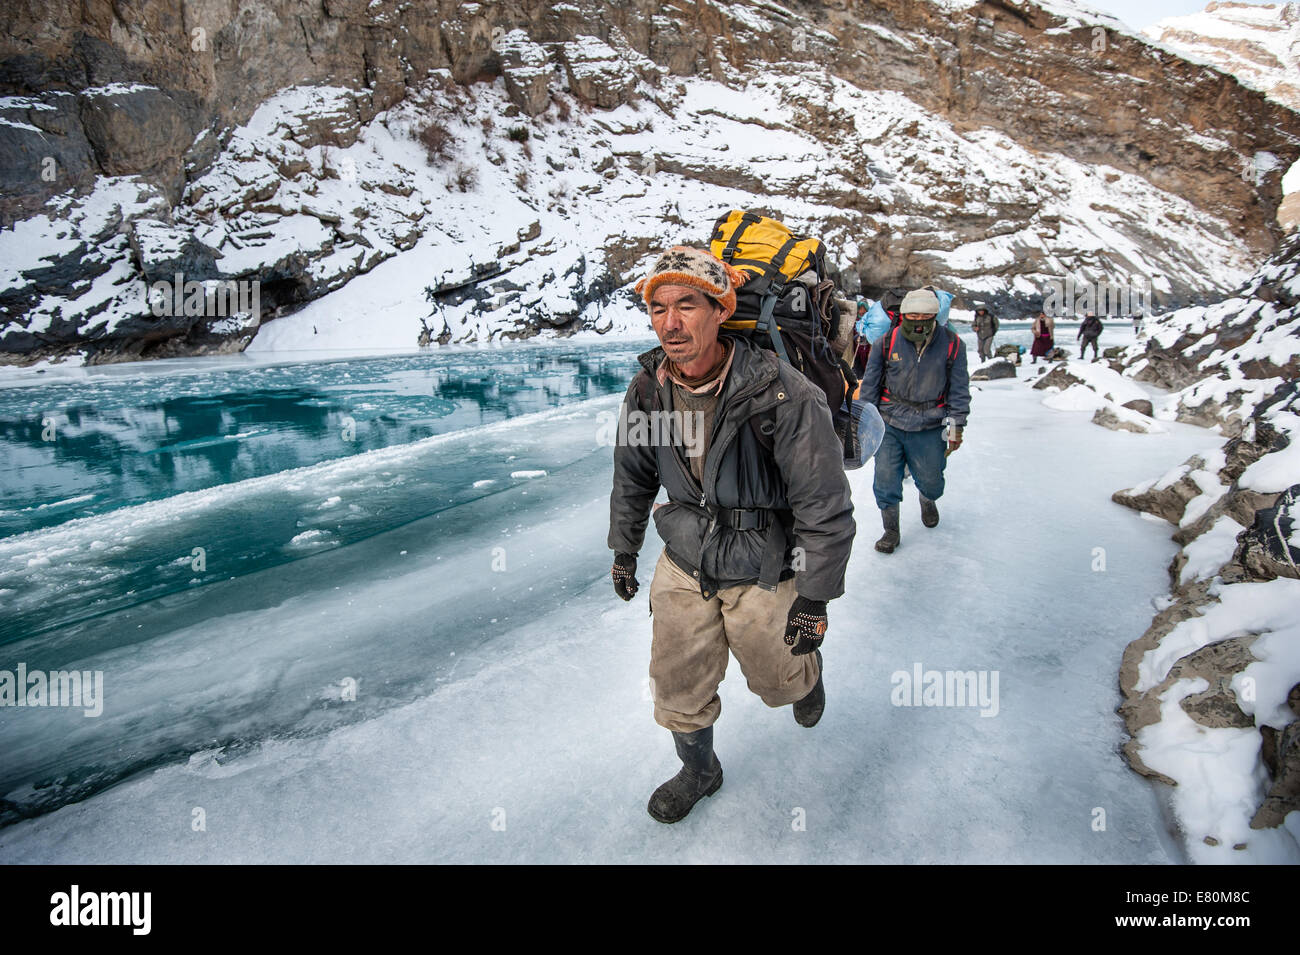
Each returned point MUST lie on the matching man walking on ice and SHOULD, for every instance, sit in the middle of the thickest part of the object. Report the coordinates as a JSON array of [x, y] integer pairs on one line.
[[757, 528], [917, 377]]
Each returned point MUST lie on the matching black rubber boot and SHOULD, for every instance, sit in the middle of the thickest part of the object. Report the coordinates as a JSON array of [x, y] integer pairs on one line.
[[929, 512], [700, 776], [889, 540], [809, 710]]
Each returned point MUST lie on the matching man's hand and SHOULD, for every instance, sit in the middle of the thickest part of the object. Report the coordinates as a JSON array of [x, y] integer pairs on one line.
[[624, 574], [805, 628], [955, 443]]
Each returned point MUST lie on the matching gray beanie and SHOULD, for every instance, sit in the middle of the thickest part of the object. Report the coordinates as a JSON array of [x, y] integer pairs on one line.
[[919, 301]]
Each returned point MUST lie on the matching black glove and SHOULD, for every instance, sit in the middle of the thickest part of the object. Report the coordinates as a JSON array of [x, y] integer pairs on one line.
[[805, 628], [624, 572]]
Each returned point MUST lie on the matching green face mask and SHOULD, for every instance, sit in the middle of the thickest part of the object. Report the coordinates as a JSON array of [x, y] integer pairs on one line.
[[917, 332]]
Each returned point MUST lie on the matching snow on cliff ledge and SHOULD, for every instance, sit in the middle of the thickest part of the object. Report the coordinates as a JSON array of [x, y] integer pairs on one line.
[[1259, 43]]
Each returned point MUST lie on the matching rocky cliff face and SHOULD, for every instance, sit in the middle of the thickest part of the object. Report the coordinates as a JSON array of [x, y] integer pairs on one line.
[[1259, 43], [990, 146]]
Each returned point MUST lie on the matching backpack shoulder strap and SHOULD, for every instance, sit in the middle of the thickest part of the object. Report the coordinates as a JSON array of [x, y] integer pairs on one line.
[[763, 425], [953, 342], [645, 389]]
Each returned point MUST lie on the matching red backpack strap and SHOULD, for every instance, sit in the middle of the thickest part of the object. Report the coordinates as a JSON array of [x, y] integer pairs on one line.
[[952, 358]]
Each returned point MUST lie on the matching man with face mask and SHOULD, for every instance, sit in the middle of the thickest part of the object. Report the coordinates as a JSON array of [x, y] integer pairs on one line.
[[917, 377]]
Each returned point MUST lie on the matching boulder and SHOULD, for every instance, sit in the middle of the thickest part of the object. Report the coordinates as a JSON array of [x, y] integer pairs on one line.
[[1168, 501], [1215, 706], [1058, 377], [994, 370], [162, 251], [527, 70], [1107, 418], [1270, 548], [1141, 406], [597, 73], [326, 117], [1282, 757]]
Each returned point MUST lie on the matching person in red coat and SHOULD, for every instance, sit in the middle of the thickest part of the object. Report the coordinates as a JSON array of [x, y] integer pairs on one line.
[[1044, 332]]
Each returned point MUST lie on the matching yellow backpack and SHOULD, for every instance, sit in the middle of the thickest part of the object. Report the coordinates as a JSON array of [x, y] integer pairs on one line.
[[788, 306], [764, 247]]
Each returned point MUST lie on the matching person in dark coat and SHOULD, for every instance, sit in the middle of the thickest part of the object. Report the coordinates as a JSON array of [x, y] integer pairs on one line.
[[1089, 331], [985, 326], [757, 528], [918, 379]]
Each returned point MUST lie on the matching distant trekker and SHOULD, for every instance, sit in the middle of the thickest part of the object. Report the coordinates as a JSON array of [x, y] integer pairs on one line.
[[1089, 332], [1044, 332], [917, 377], [862, 348], [986, 327]]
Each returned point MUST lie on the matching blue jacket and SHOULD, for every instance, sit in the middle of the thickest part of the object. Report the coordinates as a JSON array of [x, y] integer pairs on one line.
[[905, 385]]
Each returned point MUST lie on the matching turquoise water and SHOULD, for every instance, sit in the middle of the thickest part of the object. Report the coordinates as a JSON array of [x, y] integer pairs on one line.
[[222, 543], [72, 449], [179, 467]]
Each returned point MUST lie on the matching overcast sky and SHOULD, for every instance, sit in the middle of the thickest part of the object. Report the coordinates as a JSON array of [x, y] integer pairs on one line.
[[1140, 13]]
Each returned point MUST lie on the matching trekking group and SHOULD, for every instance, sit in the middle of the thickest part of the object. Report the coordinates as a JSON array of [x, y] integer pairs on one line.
[[786, 391], [758, 524]]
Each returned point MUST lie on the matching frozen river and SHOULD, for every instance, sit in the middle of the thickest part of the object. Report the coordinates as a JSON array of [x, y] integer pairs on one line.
[[411, 651]]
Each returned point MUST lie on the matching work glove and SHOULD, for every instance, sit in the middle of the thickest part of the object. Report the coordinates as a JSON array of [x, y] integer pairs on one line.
[[624, 573], [954, 444], [805, 628]]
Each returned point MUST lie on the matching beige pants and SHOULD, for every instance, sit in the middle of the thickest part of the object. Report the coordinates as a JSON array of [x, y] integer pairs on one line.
[[688, 654]]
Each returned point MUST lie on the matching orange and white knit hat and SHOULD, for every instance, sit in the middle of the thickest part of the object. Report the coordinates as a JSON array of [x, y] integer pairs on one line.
[[694, 268]]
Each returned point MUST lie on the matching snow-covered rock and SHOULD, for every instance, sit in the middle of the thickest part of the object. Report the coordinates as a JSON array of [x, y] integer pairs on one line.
[[998, 368], [1229, 628], [1085, 386]]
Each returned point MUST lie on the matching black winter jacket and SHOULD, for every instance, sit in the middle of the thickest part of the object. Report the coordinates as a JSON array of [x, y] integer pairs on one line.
[[986, 325], [775, 501], [1090, 328]]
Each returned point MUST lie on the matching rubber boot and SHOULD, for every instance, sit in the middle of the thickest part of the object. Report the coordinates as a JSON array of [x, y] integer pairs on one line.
[[889, 540], [929, 512], [700, 776], [809, 710]]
